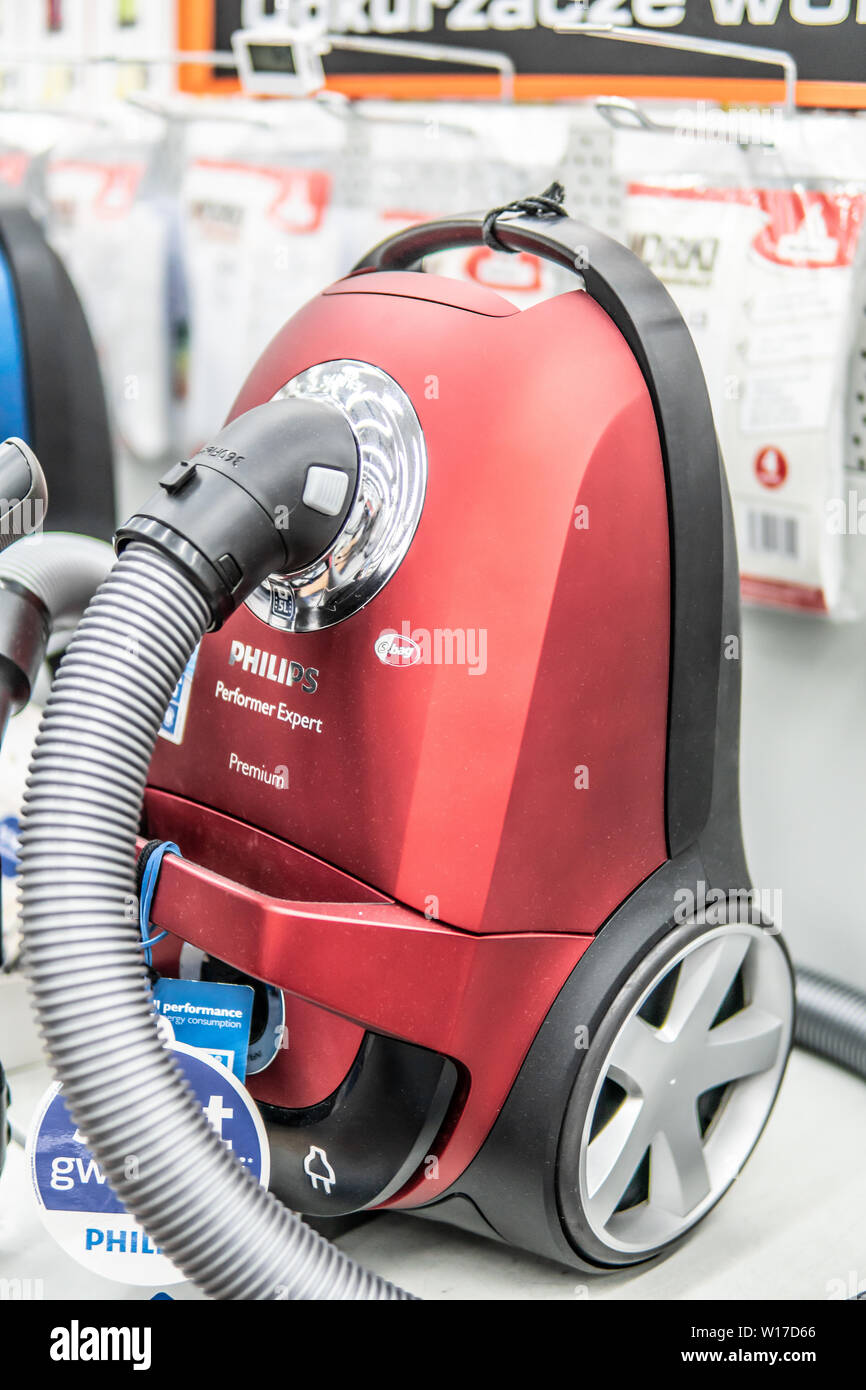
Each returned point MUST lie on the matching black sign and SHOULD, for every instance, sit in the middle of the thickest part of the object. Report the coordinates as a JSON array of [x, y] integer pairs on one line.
[[826, 38]]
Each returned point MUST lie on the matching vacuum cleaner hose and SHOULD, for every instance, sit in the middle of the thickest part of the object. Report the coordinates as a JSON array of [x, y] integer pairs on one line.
[[46, 582], [831, 1021], [63, 571], [81, 949]]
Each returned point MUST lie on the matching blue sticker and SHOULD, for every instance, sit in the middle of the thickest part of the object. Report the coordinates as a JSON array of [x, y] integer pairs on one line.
[[79, 1208], [213, 1017], [9, 833], [174, 719]]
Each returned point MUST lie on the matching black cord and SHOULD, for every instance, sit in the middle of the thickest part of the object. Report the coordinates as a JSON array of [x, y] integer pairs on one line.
[[146, 851], [547, 204]]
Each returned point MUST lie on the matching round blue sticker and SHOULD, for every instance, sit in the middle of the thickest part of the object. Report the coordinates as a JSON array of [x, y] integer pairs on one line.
[[79, 1208]]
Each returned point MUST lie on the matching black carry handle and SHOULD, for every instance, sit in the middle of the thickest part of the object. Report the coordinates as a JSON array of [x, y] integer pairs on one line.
[[646, 316]]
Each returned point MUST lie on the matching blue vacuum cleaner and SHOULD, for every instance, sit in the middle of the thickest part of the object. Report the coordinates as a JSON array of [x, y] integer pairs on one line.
[[51, 392]]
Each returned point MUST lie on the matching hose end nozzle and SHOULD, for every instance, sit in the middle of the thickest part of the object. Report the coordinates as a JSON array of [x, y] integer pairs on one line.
[[23, 492]]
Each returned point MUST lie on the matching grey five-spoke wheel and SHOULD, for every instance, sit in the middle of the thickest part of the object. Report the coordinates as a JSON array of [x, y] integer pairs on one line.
[[675, 1089]]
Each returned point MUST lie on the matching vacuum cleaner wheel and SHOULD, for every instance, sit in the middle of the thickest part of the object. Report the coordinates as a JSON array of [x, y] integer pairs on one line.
[[675, 1089]]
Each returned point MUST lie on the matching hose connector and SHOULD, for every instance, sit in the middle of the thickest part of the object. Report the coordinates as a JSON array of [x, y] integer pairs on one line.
[[46, 582], [269, 494], [23, 492]]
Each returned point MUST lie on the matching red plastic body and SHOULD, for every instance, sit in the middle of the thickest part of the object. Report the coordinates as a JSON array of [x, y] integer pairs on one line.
[[516, 806]]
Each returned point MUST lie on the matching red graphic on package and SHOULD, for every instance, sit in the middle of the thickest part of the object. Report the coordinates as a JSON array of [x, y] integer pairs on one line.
[[108, 189], [520, 272], [810, 229], [13, 167], [300, 197], [771, 467], [803, 227]]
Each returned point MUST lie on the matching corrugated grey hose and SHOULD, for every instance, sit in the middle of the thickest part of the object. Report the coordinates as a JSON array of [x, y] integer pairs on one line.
[[831, 1021], [63, 571], [81, 951]]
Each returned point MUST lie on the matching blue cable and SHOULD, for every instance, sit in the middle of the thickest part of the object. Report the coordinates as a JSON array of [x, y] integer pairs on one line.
[[149, 880]]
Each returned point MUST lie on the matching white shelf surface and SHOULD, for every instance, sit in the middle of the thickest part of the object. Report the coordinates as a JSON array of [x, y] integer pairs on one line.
[[792, 1227]]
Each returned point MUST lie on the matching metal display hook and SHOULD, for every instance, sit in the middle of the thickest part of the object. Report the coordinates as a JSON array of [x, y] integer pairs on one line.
[[274, 60], [351, 112], [622, 113], [97, 119], [180, 108]]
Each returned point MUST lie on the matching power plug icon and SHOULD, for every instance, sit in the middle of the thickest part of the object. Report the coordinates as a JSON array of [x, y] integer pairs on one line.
[[319, 1170]]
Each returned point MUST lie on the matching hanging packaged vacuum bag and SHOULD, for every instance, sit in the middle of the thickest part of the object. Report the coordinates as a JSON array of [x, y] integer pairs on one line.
[[770, 281], [109, 221], [260, 229]]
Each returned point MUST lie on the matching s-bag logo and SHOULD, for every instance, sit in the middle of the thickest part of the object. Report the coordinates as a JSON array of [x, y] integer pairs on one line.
[[393, 649], [76, 1343], [273, 668]]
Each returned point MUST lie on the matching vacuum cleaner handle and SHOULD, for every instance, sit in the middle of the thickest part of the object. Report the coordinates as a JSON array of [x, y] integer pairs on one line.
[[630, 294], [649, 320]]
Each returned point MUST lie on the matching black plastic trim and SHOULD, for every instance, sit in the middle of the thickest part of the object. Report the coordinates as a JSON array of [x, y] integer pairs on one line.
[[383, 1116]]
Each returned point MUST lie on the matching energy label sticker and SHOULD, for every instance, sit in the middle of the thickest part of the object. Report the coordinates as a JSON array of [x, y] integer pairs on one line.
[[79, 1209], [210, 1016]]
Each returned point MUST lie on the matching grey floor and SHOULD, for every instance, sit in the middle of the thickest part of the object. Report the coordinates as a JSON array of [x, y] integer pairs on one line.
[[794, 1226]]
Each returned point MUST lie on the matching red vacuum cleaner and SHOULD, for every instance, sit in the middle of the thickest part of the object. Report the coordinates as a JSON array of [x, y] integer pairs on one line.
[[454, 772], [441, 793]]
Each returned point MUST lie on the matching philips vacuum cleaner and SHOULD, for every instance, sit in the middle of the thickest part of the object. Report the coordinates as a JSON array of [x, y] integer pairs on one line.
[[429, 665]]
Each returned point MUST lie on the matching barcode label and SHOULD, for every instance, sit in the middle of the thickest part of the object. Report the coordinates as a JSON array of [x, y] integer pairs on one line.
[[768, 533]]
